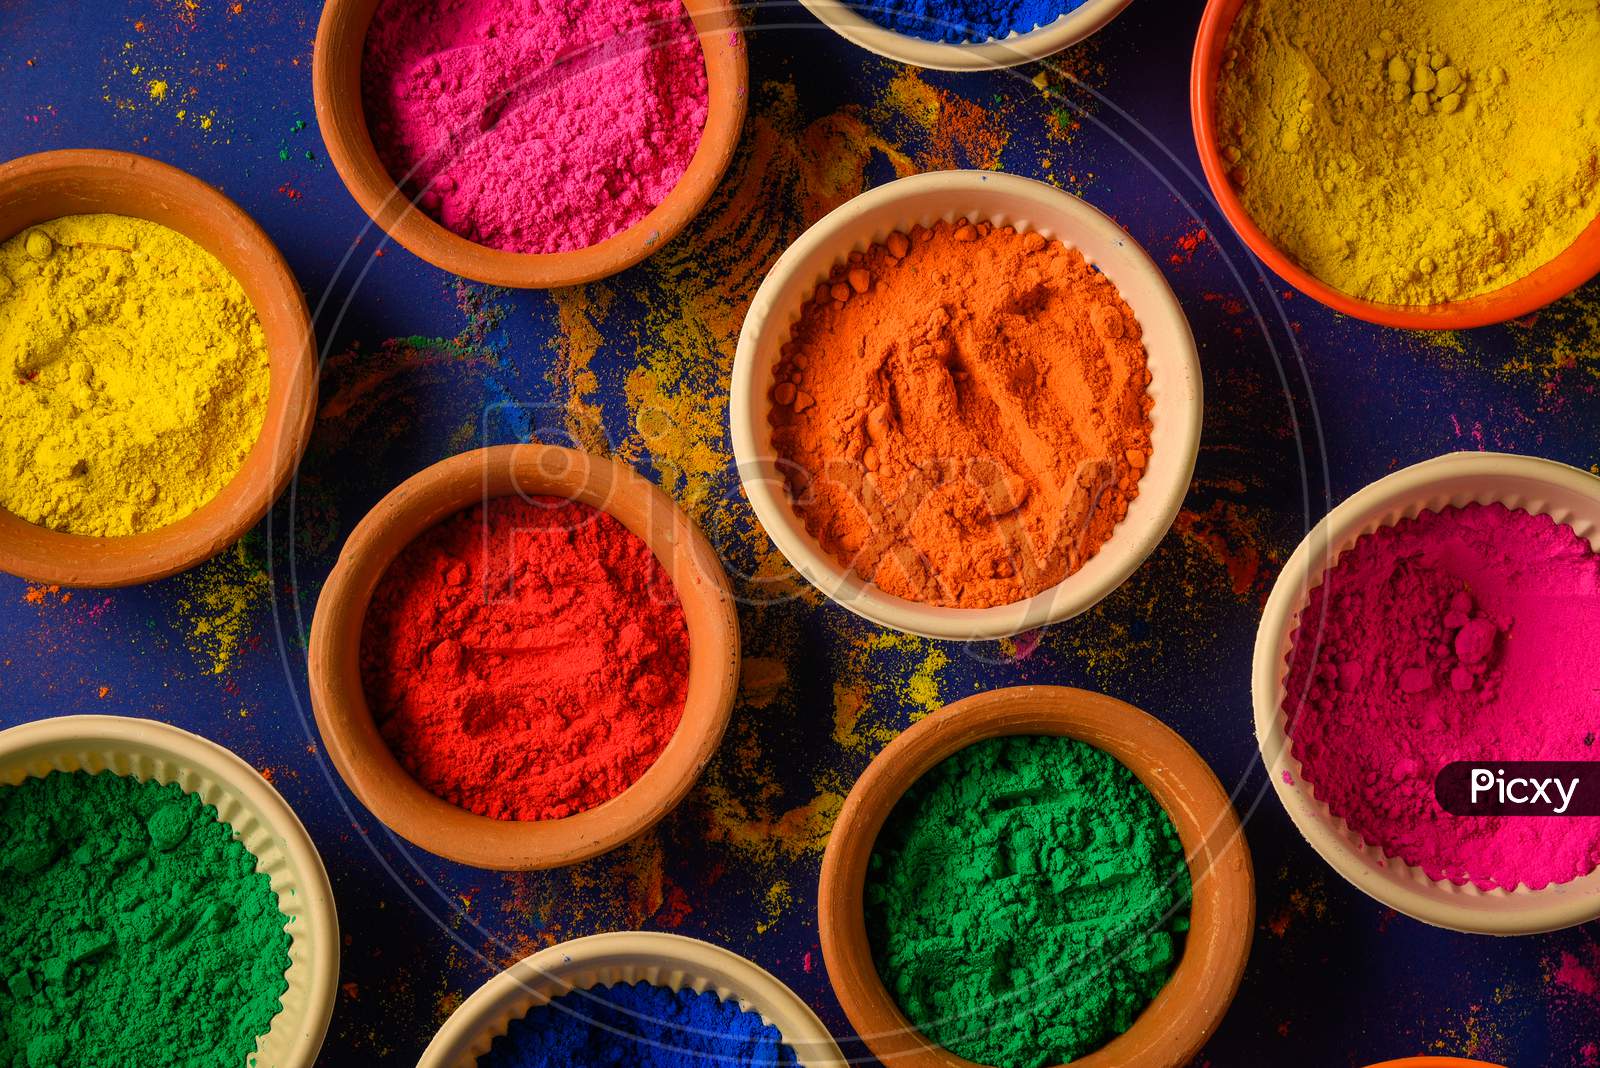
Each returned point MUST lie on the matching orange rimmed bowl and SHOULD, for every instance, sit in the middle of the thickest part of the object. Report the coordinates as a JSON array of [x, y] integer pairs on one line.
[[1552, 281], [36, 189], [1176, 1024], [336, 89], [339, 699]]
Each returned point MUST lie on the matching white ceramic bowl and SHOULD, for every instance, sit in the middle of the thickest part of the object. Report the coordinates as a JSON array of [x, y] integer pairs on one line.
[[1541, 487], [262, 820], [1004, 200], [668, 960], [1008, 51]]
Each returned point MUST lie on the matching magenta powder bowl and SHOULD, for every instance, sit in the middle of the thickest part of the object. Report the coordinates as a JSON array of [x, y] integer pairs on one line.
[[530, 127], [1476, 634]]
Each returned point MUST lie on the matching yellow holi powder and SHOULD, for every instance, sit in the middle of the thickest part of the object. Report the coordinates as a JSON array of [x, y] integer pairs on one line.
[[135, 375], [1415, 151]]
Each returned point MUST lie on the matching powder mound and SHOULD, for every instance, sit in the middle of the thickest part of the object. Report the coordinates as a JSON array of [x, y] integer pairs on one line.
[[526, 659], [957, 21], [963, 414], [1026, 899], [135, 375], [1415, 151], [1466, 634], [641, 1026], [137, 929], [534, 127]]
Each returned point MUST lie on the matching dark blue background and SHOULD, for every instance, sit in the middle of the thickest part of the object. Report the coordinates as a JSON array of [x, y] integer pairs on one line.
[[1303, 408]]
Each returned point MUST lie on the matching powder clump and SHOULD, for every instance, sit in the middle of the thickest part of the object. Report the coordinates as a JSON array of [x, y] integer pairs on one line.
[[962, 413], [1415, 151], [1026, 899], [136, 929], [526, 659], [1466, 634], [642, 1026], [534, 127], [135, 375]]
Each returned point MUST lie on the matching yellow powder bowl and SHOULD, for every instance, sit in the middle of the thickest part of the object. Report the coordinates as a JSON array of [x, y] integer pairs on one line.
[[1522, 296], [36, 189]]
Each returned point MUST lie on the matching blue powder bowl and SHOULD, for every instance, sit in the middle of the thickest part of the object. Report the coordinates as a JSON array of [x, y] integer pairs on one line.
[[965, 34], [642, 999]]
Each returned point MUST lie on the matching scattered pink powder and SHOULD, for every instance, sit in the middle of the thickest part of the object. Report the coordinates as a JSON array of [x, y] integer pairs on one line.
[[534, 126], [1467, 634]]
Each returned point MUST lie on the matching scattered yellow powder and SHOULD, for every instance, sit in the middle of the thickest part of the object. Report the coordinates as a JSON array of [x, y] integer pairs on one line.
[[133, 375], [1415, 151]]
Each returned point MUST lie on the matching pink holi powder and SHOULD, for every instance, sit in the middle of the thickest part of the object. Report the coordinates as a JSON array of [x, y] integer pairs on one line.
[[535, 127], [1467, 634]]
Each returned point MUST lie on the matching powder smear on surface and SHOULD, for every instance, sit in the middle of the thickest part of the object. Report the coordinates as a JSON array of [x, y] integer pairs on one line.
[[1467, 634], [963, 413], [535, 127], [526, 659], [1026, 899], [136, 928], [135, 375], [642, 1026], [1415, 151]]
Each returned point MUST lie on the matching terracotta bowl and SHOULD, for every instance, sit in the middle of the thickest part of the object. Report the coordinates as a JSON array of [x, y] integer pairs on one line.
[[1186, 1012], [38, 188], [1434, 1062], [1579, 263], [364, 759], [336, 87]]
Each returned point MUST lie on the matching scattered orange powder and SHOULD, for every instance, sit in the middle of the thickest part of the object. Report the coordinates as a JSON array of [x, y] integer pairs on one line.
[[964, 413]]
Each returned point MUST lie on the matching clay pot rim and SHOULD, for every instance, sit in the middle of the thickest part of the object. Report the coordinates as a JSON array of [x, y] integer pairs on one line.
[[339, 702], [123, 183], [996, 53], [1176, 1024], [1551, 281], [1527, 483], [341, 116]]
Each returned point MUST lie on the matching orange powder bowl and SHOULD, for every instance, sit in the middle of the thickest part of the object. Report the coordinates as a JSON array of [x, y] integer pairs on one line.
[[336, 87], [1004, 200], [345, 720], [1554, 280]]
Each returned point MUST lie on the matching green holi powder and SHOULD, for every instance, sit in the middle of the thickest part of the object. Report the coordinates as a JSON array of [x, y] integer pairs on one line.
[[1026, 900], [134, 929]]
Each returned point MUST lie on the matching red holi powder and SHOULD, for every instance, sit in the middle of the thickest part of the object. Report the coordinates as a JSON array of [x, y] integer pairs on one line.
[[1573, 974], [526, 659]]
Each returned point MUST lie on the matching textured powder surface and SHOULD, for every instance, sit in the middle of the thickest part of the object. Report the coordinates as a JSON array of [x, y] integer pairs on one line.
[[639, 1026], [535, 127], [963, 414], [1026, 900], [135, 375], [134, 929], [526, 659], [1467, 634], [963, 20], [1415, 151]]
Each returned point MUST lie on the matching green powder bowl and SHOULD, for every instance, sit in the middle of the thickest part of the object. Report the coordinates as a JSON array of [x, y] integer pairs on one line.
[[1211, 948], [261, 821]]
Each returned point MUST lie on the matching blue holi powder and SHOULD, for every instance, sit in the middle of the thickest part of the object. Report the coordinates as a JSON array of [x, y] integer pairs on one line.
[[638, 1026], [958, 21]]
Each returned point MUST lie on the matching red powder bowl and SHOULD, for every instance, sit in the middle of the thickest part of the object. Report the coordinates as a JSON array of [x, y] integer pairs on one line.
[[345, 719]]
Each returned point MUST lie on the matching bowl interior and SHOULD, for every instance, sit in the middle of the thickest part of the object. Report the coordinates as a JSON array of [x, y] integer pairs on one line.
[[1009, 51], [1003, 200], [336, 81], [1174, 1026], [364, 759], [263, 821], [668, 960], [1553, 280], [36, 189], [1538, 486]]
